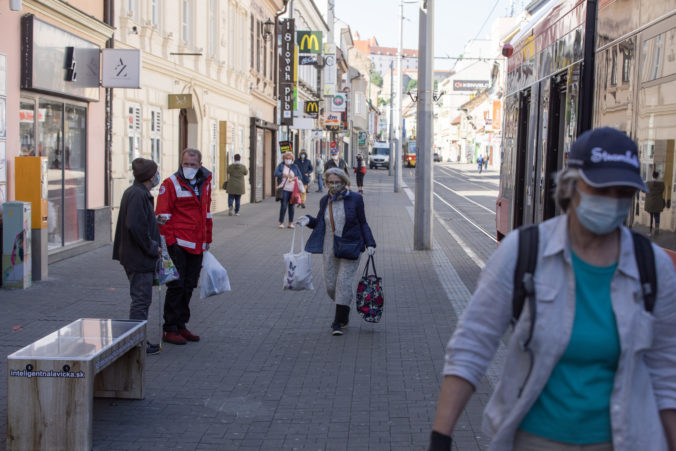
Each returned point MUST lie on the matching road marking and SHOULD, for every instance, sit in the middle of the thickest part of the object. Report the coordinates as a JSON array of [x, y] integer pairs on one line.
[[457, 173], [466, 218], [488, 193], [465, 247]]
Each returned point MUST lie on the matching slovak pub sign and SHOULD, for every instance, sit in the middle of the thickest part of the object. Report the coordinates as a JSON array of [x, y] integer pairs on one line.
[[286, 70]]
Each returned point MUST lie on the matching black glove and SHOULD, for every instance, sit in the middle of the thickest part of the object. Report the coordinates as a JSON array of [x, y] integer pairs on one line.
[[440, 442]]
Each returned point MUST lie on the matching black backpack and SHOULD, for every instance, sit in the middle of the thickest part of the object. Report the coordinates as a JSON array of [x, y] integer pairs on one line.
[[524, 287]]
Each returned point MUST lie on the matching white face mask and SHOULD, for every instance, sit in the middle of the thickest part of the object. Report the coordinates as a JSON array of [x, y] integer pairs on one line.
[[334, 157], [602, 214], [288, 162], [189, 173]]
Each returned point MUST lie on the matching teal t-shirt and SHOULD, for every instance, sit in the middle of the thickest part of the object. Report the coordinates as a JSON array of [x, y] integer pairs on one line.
[[574, 406]]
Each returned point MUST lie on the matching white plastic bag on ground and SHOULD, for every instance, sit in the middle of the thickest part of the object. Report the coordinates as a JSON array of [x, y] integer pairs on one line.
[[298, 267], [214, 279]]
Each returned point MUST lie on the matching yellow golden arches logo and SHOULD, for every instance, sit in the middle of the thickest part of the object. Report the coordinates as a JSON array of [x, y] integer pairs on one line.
[[312, 108], [309, 41]]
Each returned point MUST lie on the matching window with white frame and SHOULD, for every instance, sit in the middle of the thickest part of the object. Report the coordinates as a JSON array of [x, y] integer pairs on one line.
[[156, 136], [213, 30], [134, 132], [186, 21], [231, 38], [155, 13], [242, 54], [213, 146], [132, 8]]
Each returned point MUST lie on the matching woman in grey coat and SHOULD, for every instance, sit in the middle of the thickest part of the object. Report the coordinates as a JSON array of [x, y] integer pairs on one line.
[[341, 213], [654, 202]]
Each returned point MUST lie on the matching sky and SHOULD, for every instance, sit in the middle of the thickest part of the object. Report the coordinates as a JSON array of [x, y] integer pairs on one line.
[[455, 23]]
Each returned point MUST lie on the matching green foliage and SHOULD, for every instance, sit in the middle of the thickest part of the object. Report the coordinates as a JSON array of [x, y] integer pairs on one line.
[[412, 84], [376, 79]]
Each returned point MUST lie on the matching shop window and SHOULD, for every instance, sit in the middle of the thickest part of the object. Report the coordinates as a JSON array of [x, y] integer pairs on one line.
[[134, 133], [27, 128], [213, 147], [156, 136]]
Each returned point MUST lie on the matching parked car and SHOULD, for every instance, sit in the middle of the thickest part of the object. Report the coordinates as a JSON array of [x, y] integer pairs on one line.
[[437, 157]]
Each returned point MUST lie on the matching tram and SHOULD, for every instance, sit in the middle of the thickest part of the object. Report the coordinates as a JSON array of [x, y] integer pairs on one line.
[[573, 67]]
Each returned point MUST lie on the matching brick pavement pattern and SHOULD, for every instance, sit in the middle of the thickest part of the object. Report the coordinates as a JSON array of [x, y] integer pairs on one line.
[[267, 373]]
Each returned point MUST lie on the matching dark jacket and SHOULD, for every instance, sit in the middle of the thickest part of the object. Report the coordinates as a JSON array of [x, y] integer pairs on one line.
[[340, 165], [236, 183], [279, 172], [654, 202], [356, 227], [305, 167], [137, 238]]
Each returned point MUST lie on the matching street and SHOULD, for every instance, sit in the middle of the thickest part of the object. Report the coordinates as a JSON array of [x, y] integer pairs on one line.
[[268, 374]]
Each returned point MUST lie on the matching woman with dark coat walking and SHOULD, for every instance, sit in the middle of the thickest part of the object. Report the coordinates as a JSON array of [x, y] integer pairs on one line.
[[341, 214], [654, 202], [287, 174], [360, 170]]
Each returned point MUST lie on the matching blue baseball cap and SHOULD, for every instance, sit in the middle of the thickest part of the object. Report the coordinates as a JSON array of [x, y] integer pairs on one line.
[[607, 157]]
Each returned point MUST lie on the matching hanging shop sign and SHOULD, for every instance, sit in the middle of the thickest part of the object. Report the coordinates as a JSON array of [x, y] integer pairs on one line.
[[312, 108], [121, 68], [362, 138], [179, 101], [470, 85], [338, 103], [332, 121], [285, 146], [286, 71], [329, 69], [307, 60], [309, 41]]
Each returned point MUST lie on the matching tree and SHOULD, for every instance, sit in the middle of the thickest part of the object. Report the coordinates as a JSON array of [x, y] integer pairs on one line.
[[412, 84], [376, 78]]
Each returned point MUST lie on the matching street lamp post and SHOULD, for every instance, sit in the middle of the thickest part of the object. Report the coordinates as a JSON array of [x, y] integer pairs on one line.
[[397, 152], [422, 228], [389, 169]]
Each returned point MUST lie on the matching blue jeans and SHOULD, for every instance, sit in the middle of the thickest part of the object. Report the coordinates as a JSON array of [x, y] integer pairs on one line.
[[286, 197], [234, 198], [320, 182]]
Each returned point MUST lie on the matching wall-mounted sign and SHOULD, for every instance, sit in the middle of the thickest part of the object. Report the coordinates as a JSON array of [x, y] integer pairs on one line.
[[329, 69], [470, 85], [309, 41], [338, 103], [332, 121], [312, 108], [179, 101], [56, 61], [362, 137], [285, 146], [307, 60], [286, 71], [121, 68]]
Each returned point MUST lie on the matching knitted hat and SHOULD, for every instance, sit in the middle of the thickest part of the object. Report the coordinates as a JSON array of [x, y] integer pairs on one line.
[[143, 169]]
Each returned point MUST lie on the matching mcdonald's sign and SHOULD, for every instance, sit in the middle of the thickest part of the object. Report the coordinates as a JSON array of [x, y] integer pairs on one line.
[[309, 41], [312, 108]]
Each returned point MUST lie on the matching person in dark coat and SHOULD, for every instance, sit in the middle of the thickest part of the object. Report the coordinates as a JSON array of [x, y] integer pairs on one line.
[[305, 167], [360, 170], [236, 184], [137, 239], [287, 174], [335, 162], [341, 213], [654, 202]]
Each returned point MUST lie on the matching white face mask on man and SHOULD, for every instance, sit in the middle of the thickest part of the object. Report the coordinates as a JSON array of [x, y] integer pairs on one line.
[[190, 173], [334, 157]]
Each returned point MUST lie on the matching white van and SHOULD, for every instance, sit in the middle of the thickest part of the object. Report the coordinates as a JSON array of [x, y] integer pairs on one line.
[[380, 155]]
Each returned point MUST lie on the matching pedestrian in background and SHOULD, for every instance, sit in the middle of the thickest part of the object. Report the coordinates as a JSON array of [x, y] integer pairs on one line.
[[236, 184], [137, 240], [654, 201], [587, 366], [319, 174], [480, 162], [360, 170], [485, 162], [305, 167], [341, 213], [335, 162], [287, 175], [185, 202]]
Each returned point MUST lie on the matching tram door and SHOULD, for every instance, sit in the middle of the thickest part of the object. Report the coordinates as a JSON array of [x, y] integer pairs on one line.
[[555, 141], [521, 158]]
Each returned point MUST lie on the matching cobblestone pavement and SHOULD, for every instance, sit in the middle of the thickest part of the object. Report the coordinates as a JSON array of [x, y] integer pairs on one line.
[[267, 373]]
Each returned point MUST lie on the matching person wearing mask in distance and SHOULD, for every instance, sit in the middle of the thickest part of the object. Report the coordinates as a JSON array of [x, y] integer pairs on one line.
[[341, 212], [305, 167], [597, 371], [184, 204], [287, 174], [335, 162], [137, 240], [319, 174]]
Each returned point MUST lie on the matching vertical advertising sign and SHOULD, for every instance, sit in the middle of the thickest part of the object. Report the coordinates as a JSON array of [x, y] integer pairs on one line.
[[329, 69], [286, 71]]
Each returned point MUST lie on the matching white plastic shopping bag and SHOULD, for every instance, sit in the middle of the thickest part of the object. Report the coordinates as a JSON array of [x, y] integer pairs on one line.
[[214, 278], [298, 267]]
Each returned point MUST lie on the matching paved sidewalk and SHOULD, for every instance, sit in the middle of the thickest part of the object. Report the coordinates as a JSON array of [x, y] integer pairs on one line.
[[268, 374]]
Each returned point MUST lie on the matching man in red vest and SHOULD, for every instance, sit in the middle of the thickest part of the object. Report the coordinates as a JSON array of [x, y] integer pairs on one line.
[[184, 212]]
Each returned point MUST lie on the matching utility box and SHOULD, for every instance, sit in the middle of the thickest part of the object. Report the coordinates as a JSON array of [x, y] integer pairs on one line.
[[31, 186], [16, 245]]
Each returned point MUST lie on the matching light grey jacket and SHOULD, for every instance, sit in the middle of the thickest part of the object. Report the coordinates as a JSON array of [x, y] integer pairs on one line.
[[645, 381]]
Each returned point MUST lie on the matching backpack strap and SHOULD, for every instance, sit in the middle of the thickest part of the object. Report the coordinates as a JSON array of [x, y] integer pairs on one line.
[[525, 269], [645, 260]]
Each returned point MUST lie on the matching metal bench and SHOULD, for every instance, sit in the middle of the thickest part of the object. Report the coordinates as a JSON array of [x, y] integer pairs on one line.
[[52, 382]]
